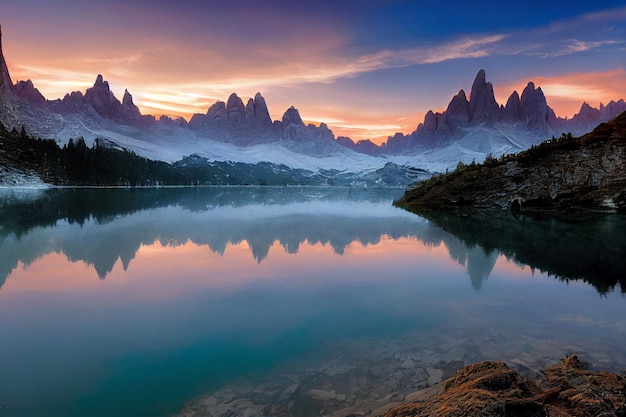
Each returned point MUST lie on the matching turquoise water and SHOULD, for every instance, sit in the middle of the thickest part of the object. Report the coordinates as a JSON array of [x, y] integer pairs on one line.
[[133, 302]]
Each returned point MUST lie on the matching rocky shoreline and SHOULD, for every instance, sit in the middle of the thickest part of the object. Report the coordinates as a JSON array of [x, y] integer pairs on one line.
[[370, 378], [492, 389], [562, 177]]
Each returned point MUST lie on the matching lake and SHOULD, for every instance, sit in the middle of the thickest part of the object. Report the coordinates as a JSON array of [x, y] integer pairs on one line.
[[284, 301]]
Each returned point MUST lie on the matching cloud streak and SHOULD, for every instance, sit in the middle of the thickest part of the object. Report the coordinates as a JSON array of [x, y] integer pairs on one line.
[[567, 92], [179, 63], [573, 46]]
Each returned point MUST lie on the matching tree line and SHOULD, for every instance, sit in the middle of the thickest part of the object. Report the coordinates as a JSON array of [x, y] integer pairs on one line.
[[76, 164]]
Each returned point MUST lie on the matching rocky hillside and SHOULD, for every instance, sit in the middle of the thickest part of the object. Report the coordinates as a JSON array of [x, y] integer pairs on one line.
[[560, 176], [491, 389]]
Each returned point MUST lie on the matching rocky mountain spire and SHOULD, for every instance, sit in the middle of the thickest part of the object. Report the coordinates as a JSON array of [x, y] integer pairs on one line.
[[482, 103], [457, 113], [127, 100], [513, 110], [100, 94], [261, 114], [26, 91], [292, 117], [6, 85], [104, 102], [534, 106], [131, 111], [235, 110]]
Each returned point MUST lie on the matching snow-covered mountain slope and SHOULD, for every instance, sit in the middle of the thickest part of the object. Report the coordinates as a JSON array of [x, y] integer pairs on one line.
[[469, 130]]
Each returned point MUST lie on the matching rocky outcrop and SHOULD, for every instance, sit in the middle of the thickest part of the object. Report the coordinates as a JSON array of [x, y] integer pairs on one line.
[[101, 98], [458, 111], [589, 117], [129, 106], [235, 111], [251, 124], [513, 109], [27, 91], [260, 113], [365, 146], [561, 177], [534, 108], [482, 103], [292, 117], [492, 389], [216, 114], [73, 101], [6, 85]]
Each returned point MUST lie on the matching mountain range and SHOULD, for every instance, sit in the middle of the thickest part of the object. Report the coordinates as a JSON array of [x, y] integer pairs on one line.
[[469, 129], [566, 177]]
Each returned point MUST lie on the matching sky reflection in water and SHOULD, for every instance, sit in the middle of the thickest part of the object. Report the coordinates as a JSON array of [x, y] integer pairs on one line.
[[134, 311]]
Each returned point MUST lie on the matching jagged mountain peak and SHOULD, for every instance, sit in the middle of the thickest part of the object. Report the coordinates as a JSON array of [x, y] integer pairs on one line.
[[476, 119], [292, 117], [127, 100], [6, 85], [481, 77], [26, 90], [534, 107], [100, 83], [100, 95], [587, 113], [261, 113], [233, 98], [482, 103], [235, 110], [512, 110], [458, 112]]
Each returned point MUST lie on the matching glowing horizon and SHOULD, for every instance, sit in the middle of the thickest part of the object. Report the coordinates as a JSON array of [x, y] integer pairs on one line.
[[365, 78]]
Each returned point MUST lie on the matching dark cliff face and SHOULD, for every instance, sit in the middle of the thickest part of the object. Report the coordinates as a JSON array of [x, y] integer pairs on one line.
[[560, 176]]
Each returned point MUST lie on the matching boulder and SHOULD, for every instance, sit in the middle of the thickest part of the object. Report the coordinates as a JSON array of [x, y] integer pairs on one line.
[[492, 389]]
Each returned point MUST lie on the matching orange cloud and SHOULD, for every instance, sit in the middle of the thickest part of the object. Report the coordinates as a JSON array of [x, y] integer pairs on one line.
[[359, 125], [566, 93]]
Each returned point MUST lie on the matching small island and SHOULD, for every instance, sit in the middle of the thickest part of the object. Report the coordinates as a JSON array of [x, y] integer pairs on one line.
[[563, 177]]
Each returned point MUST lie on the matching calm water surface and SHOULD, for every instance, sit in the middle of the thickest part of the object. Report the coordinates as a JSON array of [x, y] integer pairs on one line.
[[133, 302]]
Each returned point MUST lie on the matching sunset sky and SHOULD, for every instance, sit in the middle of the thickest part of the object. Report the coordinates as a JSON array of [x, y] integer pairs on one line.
[[366, 68]]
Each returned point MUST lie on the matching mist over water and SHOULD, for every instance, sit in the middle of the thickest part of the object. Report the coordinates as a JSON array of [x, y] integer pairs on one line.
[[132, 302]]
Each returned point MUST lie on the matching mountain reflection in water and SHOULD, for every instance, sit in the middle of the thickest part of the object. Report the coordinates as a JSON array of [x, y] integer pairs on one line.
[[102, 226], [591, 249], [235, 291]]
